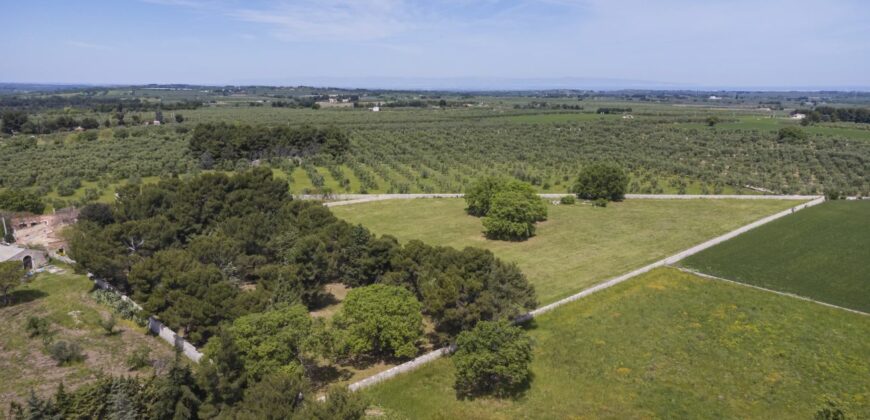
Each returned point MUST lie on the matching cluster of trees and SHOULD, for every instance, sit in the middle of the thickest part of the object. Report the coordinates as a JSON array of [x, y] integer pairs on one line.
[[612, 110], [227, 142], [510, 208], [832, 114], [182, 393], [601, 180], [182, 248], [19, 200], [20, 122]]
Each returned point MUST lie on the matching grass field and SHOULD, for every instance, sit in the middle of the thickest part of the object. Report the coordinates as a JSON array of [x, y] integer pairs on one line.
[[822, 253], [64, 300], [669, 345], [579, 245]]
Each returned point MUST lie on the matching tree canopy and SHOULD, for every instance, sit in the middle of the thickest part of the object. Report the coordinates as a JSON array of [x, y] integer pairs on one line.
[[601, 180], [510, 207], [493, 358], [380, 319]]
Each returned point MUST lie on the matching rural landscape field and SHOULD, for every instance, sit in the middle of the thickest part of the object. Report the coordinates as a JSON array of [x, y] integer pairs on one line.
[[527, 209]]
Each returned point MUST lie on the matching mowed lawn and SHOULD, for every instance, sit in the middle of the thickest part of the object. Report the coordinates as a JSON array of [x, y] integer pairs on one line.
[[63, 299], [669, 345], [579, 245], [821, 253]]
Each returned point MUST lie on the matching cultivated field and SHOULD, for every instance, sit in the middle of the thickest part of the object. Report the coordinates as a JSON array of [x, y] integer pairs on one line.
[[669, 344], [821, 253], [579, 245], [63, 299]]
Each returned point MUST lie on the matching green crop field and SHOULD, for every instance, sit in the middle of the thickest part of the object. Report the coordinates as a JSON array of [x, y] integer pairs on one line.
[[578, 245], [74, 316], [669, 345], [822, 253]]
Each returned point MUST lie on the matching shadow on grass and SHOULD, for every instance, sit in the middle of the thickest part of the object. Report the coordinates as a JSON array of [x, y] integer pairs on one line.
[[24, 296], [494, 390]]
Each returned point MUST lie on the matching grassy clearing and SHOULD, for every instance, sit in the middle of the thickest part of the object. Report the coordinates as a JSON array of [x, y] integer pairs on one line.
[[579, 245], [822, 253], [64, 300], [669, 345]]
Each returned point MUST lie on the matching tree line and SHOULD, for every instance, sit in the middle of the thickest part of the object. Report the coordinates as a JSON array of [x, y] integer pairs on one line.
[[832, 114], [216, 142], [93, 103]]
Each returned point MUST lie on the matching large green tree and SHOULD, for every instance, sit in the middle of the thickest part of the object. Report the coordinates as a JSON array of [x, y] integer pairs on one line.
[[512, 215], [493, 358], [380, 320], [272, 341], [601, 180]]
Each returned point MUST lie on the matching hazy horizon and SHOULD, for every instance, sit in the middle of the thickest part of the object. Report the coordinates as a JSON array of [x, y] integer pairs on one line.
[[446, 45]]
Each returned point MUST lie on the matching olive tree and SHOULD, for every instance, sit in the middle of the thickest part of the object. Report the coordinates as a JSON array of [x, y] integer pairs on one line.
[[602, 180]]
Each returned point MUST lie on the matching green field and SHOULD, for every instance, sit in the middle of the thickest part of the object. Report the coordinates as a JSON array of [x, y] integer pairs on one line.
[[63, 299], [822, 253], [669, 345], [579, 245]]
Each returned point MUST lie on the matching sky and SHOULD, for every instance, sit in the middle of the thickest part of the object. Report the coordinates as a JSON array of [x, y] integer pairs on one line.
[[440, 44]]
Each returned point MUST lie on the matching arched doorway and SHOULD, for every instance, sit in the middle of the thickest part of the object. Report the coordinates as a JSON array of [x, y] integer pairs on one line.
[[28, 263]]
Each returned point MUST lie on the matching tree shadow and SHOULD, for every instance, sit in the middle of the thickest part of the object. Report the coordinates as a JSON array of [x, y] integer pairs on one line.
[[323, 375], [514, 392], [322, 300], [23, 296]]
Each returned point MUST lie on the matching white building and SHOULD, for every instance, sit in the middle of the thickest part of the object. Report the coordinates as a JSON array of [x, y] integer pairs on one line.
[[376, 109], [798, 116]]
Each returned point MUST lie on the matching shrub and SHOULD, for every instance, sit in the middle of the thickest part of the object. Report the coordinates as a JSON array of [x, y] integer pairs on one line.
[[64, 352], [36, 327], [791, 134], [567, 199], [139, 358], [601, 180], [479, 195], [108, 324], [124, 308], [600, 203], [380, 319], [493, 358]]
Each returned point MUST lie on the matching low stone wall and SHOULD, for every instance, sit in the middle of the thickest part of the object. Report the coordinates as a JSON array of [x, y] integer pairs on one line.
[[155, 326]]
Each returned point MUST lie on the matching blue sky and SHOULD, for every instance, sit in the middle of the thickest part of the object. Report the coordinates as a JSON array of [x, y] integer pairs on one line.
[[678, 43]]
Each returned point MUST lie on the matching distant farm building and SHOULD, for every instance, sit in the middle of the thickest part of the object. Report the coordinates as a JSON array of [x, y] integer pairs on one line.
[[29, 258], [798, 116], [376, 109]]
